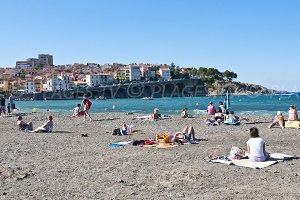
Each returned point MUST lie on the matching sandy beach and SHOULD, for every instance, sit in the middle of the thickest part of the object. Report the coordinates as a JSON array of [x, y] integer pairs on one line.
[[64, 165]]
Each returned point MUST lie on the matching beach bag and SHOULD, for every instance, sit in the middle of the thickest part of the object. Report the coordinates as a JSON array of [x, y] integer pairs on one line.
[[149, 142], [236, 153], [162, 138], [116, 131]]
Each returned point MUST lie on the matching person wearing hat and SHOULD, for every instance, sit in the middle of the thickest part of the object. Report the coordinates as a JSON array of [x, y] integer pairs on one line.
[[278, 120]]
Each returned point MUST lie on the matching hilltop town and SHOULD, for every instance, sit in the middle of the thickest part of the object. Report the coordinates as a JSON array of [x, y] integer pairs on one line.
[[35, 75]]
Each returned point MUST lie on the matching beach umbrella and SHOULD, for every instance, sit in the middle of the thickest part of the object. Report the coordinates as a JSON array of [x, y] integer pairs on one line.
[[227, 100]]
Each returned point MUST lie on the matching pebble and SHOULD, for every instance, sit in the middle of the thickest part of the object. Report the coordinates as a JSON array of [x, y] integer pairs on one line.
[[121, 181]]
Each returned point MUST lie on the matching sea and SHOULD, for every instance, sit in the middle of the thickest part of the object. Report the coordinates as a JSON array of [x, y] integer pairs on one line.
[[260, 105]]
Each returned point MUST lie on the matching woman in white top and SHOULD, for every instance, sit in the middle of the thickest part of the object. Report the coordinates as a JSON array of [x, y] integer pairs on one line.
[[256, 147]]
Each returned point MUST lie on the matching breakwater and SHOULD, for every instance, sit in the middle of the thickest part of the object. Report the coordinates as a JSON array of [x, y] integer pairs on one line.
[[173, 88]]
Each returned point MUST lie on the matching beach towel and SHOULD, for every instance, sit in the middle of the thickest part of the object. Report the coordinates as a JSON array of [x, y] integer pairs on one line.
[[274, 158], [119, 144], [254, 165], [292, 124], [162, 145], [232, 123]]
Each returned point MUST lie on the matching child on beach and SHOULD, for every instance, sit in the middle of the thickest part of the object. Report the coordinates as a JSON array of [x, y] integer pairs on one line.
[[8, 109], [2, 106], [278, 120], [184, 113], [87, 104], [256, 147], [47, 127], [23, 125], [77, 112]]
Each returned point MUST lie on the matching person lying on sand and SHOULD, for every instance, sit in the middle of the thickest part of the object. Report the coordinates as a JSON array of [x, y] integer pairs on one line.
[[155, 115], [186, 135], [278, 120], [47, 127], [23, 125], [215, 120], [256, 147]]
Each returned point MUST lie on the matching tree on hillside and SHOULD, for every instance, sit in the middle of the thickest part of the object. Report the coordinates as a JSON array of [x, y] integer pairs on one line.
[[202, 72], [228, 75]]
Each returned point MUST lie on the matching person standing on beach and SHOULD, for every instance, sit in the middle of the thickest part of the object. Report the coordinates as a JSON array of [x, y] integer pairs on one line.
[[11, 101], [2, 108], [87, 104]]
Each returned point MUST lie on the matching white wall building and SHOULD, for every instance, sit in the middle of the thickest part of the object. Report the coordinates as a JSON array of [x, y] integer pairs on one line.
[[96, 80], [133, 72], [29, 87], [58, 83], [165, 74], [24, 64]]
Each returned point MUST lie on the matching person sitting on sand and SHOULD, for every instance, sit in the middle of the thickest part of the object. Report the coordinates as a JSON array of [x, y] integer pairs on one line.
[[234, 118], [221, 108], [47, 127], [256, 147], [184, 113], [211, 110], [278, 120], [186, 135], [23, 125], [293, 114], [77, 112]]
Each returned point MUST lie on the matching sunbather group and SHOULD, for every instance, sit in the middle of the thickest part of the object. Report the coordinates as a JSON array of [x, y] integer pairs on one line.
[[227, 118], [293, 120], [28, 126], [86, 105]]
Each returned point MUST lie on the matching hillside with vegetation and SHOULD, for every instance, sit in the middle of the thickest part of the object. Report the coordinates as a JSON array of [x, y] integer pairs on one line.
[[217, 83]]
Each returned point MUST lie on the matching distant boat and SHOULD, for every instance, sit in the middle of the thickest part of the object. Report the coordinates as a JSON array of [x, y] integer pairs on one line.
[[148, 98], [100, 98]]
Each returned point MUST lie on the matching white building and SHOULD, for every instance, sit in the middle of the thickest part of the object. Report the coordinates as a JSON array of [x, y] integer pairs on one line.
[[92, 64], [133, 73], [24, 64], [29, 87], [57, 83], [165, 74], [96, 80]]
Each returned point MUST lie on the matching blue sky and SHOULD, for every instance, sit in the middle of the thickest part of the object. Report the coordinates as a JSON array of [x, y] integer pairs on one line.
[[259, 40]]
